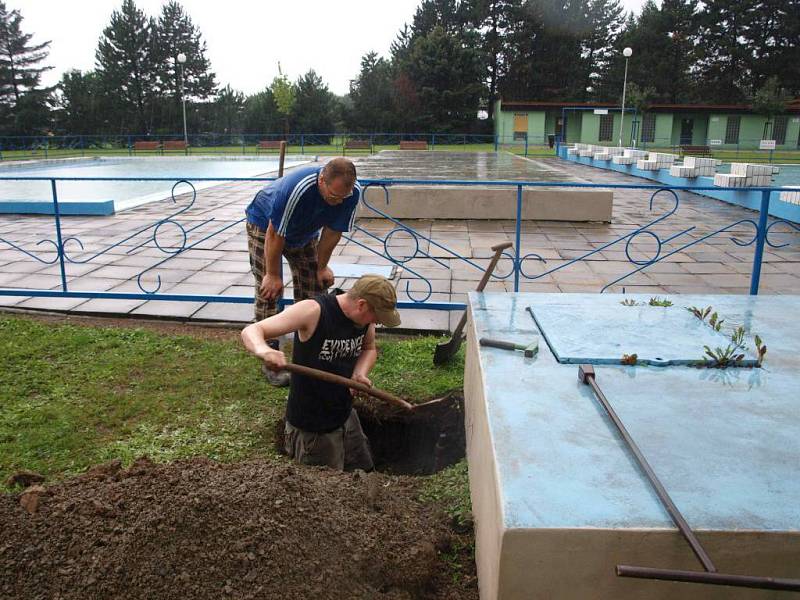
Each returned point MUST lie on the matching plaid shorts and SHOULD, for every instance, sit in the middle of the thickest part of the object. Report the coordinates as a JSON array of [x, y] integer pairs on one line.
[[302, 263]]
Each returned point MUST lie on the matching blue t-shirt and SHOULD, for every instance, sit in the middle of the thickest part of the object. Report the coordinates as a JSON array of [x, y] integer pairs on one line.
[[296, 209]]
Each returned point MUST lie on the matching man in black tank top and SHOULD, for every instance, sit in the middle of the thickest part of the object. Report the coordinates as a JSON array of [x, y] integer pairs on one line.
[[334, 333]]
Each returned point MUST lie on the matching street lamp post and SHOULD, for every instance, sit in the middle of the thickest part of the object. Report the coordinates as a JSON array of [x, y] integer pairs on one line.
[[181, 60], [627, 54]]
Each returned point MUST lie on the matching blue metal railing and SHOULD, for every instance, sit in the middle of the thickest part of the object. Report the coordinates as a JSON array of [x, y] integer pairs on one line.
[[190, 234]]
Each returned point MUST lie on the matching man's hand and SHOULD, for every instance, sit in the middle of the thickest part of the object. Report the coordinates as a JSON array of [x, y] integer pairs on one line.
[[271, 287], [360, 379], [325, 277], [274, 359]]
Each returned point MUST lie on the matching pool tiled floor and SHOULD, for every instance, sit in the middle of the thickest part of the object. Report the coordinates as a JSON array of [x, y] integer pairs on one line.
[[219, 264]]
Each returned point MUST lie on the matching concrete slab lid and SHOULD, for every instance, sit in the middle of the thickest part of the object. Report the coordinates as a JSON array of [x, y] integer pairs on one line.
[[725, 443], [579, 332]]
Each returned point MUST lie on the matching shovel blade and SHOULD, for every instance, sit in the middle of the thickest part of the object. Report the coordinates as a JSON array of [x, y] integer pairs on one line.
[[444, 351]]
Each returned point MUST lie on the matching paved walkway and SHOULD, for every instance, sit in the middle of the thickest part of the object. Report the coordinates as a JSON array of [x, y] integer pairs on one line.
[[112, 258]]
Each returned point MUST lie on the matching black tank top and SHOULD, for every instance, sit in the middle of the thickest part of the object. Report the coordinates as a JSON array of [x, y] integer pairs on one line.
[[335, 346]]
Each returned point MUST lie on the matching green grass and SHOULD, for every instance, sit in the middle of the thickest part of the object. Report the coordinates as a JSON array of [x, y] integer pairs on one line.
[[72, 396]]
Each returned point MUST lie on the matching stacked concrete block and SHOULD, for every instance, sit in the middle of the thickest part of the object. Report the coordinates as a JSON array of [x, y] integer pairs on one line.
[[588, 151], [623, 160], [705, 167], [629, 157], [729, 180], [663, 160], [793, 197], [683, 171], [755, 175], [647, 165], [607, 152]]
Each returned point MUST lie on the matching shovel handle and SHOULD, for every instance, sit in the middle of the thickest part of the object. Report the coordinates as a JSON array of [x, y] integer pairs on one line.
[[498, 250], [346, 381]]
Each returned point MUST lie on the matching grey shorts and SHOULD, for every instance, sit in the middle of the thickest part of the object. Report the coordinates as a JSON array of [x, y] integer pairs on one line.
[[344, 449]]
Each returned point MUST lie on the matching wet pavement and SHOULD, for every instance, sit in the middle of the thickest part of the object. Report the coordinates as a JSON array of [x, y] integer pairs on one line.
[[112, 256]]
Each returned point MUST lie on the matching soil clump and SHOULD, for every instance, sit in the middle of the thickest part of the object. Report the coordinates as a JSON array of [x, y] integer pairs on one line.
[[199, 529]]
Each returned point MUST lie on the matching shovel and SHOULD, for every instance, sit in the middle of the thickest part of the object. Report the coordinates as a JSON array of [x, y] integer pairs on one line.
[[444, 351], [351, 383]]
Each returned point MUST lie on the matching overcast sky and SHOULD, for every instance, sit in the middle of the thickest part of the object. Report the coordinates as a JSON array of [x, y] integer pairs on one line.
[[245, 39]]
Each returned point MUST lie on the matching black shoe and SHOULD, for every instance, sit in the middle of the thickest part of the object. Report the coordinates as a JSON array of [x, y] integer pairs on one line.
[[276, 378]]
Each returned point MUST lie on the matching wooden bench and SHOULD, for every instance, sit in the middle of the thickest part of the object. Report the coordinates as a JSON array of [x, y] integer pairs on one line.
[[268, 145], [357, 145], [413, 145], [696, 151], [176, 145], [142, 146]]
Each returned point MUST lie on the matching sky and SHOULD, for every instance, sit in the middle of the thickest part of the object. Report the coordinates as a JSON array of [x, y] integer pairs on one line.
[[245, 39]]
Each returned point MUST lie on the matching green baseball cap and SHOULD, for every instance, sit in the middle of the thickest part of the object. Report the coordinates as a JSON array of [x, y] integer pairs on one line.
[[380, 295]]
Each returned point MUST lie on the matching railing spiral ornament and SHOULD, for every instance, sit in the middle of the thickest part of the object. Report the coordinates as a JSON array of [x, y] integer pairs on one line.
[[33, 256], [794, 226]]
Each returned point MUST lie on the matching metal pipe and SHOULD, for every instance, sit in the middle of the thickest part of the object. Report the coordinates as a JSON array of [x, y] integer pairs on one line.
[[587, 376], [761, 236], [747, 581]]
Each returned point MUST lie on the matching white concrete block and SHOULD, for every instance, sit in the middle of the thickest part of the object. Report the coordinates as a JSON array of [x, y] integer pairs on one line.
[[623, 160], [682, 171], [726, 180], [637, 154], [792, 197], [647, 165], [601, 156]]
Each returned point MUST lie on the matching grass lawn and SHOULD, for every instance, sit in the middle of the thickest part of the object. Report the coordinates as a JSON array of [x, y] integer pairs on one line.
[[74, 395]]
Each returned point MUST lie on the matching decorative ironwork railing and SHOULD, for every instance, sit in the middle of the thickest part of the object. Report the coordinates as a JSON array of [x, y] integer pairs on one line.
[[185, 227]]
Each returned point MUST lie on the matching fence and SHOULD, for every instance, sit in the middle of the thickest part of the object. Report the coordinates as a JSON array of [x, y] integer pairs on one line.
[[185, 229], [27, 147]]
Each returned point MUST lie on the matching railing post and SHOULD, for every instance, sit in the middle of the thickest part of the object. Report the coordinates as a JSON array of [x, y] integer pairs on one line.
[[496, 142], [302, 143], [46, 146], [761, 237], [60, 241], [130, 146], [433, 141], [517, 265], [526, 145]]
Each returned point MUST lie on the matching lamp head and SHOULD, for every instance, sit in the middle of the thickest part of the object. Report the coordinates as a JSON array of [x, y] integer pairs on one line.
[[181, 58], [627, 52]]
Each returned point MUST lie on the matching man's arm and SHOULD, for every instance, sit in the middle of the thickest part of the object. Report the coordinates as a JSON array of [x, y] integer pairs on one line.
[[369, 354], [271, 283], [327, 242], [301, 317]]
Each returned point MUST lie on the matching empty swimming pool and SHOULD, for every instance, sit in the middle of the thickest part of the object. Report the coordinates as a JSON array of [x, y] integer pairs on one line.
[[108, 197]]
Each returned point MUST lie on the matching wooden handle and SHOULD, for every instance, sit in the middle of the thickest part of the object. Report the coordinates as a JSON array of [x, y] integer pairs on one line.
[[346, 381], [281, 158]]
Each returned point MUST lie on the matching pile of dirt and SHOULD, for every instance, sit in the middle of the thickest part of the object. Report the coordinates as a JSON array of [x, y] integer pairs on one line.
[[199, 529]]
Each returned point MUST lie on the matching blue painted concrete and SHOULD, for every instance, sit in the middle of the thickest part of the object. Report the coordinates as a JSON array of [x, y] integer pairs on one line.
[[746, 198], [725, 443], [576, 335], [90, 207]]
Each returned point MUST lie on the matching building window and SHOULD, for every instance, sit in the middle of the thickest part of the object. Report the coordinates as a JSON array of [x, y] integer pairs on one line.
[[606, 133], [779, 129], [649, 127], [732, 130], [520, 136]]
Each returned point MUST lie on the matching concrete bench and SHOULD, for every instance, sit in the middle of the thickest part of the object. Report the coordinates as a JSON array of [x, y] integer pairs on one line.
[[413, 145], [142, 146], [268, 145], [695, 151], [357, 145], [175, 145]]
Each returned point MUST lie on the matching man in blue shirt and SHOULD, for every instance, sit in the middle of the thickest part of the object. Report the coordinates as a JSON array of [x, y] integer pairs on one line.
[[300, 216]]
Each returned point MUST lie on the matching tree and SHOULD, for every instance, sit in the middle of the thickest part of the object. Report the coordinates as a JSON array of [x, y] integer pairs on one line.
[[176, 34], [24, 107], [81, 102], [284, 94], [447, 74], [770, 100], [724, 63], [313, 110], [599, 45], [774, 43], [229, 110], [261, 113], [125, 62], [371, 94]]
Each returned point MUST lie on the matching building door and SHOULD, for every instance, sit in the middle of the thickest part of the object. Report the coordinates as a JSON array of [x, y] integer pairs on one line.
[[520, 126], [687, 129]]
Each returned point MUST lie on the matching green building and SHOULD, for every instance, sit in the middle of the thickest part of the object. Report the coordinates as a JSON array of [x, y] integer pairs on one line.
[[661, 126]]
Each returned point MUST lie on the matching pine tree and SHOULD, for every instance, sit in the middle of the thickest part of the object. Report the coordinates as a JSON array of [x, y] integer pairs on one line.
[[24, 106], [599, 46], [228, 110], [313, 110], [371, 96], [126, 64], [774, 43]]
